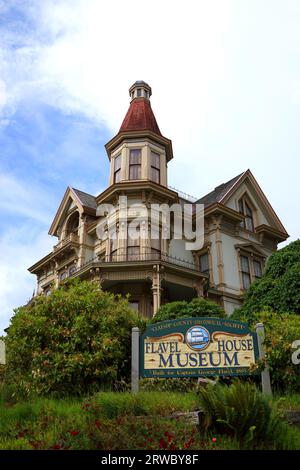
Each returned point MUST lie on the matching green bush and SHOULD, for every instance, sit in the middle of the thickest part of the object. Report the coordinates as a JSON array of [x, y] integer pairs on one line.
[[279, 287], [240, 411], [281, 331], [173, 384], [198, 307], [74, 341]]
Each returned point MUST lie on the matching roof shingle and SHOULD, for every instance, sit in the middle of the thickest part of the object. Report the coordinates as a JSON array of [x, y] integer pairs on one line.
[[140, 117], [219, 192], [86, 199]]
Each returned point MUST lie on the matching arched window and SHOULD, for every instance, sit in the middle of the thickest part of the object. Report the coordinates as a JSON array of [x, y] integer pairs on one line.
[[245, 209], [72, 269], [63, 275], [73, 223]]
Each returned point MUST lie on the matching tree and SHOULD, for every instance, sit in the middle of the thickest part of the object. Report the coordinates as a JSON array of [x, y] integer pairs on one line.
[[279, 287], [198, 307], [73, 341]]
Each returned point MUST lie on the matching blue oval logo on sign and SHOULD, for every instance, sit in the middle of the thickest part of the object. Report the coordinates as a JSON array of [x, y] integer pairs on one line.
[[197, 338]]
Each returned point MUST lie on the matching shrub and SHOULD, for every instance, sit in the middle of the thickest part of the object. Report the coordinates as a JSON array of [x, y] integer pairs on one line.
[[281, 331], [240, 411], [279, 287], [71, 342], [198, 307]]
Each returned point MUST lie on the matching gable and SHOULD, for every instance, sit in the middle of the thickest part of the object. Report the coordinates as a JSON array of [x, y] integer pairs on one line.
[[68, 204], [248, 187], [245, 190]]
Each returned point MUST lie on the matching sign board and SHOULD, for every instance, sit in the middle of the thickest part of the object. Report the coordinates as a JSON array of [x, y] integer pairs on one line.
[[193, 347]]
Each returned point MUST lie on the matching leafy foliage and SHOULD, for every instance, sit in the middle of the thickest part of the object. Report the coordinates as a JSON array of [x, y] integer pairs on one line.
[[117, 421], [240, 411], [73, 341], [198, 307], [279, 288], [281, 331]]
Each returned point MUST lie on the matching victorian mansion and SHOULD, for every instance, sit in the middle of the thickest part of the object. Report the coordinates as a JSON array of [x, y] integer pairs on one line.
[[241, 229]]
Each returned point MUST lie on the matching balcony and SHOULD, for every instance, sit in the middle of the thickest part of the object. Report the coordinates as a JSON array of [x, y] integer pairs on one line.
[[71, 238], [152, 256], [138, 259]]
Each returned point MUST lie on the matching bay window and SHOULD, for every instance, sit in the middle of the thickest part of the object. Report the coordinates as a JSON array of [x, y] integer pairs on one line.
[[135, 158], [117, 169], [155, 167]]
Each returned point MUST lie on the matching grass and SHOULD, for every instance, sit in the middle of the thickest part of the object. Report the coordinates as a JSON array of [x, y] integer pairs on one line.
[[288, 402], [116, 421]]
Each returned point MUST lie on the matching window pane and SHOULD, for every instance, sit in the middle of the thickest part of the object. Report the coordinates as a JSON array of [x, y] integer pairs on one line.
[[113, 241], [155, 160], [249, 224], [135, 172], [248, 210], [246, 280], [241, 206], [204, 266], [118, 162], [133, 253], [135, 157], [155, 239], [257, 268], [63, 275], [155, 175], [117, 177], [134, 305], [72, 269], [245, 264], [133, 235], [155, 254]]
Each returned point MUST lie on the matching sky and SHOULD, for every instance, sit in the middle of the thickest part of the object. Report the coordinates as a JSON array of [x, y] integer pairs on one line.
[[225, 78]]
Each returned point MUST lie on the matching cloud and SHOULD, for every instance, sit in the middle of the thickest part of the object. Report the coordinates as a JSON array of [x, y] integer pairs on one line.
[[225, 79], [19, 200], [19, 249]]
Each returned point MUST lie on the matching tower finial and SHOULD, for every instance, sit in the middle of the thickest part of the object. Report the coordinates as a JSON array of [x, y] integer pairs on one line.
[[140, 89]]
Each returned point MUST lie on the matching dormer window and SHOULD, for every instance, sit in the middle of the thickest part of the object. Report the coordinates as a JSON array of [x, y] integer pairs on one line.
[[139, 92], [117, 169], [246, 210], [155, 167], [135, 164]]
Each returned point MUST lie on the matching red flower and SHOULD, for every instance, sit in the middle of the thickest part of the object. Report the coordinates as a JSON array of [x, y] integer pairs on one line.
[[86, 406], [56, 447], [97, 423], [34, 444], [188, 443], [21, 434], [74, 433], [163, 444], [169, 436], [214, 439]]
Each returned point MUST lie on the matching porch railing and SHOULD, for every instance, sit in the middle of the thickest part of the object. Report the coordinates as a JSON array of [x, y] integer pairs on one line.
[[138, 258]]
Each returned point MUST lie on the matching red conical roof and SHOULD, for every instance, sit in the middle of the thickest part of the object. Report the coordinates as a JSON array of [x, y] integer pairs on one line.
[[140, 117]]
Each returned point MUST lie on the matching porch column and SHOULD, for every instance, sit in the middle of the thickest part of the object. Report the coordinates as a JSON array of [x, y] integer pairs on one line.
[[156, 288]]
